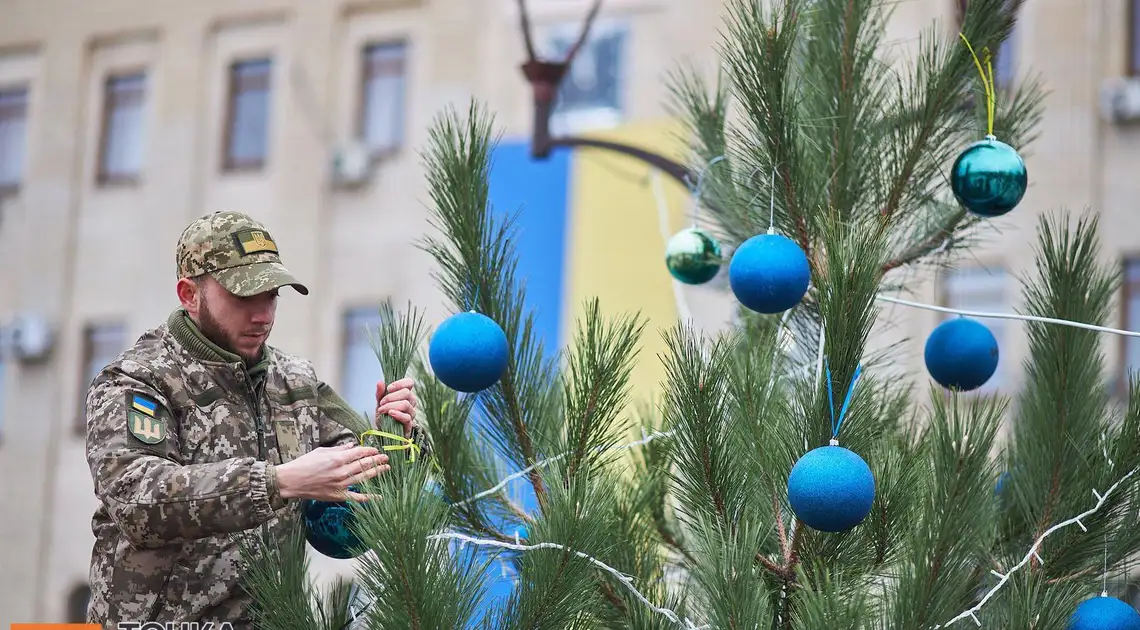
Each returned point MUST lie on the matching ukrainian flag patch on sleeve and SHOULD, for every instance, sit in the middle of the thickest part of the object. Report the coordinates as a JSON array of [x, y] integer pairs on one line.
[[143, 420], [144, 404]]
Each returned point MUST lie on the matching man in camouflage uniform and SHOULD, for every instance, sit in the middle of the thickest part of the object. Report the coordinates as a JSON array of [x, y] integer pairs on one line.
[[201, 431]]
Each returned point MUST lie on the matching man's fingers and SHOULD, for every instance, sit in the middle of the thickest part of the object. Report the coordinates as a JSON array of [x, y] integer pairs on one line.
[[403, 394], [404, 383], [362, 498], [355, 453]]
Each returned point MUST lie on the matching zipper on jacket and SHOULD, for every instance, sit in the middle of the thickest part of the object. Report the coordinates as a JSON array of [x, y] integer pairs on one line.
[[255, 403]]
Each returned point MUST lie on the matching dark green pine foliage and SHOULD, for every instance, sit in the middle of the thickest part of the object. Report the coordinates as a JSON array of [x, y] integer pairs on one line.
[[857, 138]]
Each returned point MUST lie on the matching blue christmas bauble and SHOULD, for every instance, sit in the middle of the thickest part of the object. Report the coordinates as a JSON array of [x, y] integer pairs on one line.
[[831, 489], [468, 352], [1104, 613], [693, 256], [769, 273], [961, 354], [1000, 485], [328, 528], [989, 178]]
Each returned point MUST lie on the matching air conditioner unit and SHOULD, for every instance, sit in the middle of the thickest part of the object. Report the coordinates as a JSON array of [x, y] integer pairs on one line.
[[1120, 100], [352, 164], [28, 338]]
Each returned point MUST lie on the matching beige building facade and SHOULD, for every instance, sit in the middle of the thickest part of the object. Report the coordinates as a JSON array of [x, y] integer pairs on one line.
[[122, 120]]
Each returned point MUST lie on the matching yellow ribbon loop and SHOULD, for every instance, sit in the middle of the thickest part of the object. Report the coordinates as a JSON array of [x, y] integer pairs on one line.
[[409, 443], [987, 82]]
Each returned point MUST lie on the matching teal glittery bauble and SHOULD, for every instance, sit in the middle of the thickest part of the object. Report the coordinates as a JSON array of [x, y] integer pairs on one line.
[[328, 528], [989, 178], [693, 256]]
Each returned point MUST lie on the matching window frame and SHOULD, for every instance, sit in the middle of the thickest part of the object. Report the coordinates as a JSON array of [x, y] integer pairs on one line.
[[233, 82], [346, 335], [1132, 52], [23, 88], [945, 278], [578, 118], [1126, 287], [1010, 42], [86, 356], [365, 76], [102, 177]]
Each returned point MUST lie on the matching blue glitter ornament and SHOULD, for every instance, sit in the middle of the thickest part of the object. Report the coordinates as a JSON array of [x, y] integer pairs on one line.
[[1104, 613], [831, 489], [693, 256], [961, 354], [468, 352], [769, 273], [328, 528], [1000, 485], [989, 178]]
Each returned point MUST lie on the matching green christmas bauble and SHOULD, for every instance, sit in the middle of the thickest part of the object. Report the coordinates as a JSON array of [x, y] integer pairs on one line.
[[693, 256], [989, 178]]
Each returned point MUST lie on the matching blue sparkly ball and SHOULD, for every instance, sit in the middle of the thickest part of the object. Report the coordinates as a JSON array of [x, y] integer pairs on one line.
[[961, 354], [1000, 485], [989, 178], [1104, 613], [468, 352], [769, 273], [831, 489], [328, 528]]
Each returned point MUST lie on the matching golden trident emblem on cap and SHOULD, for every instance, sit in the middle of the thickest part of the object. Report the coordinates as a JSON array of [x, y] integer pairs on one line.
[[259, 240]]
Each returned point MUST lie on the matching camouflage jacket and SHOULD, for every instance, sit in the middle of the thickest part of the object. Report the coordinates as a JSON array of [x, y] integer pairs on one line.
[[182, 439]]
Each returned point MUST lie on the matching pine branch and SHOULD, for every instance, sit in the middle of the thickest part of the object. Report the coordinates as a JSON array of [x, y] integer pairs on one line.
[[477, 263], [953, 532], [413, 579], [597, 386], [558, 589], [695, 406], [276, 579], [1063, 411]]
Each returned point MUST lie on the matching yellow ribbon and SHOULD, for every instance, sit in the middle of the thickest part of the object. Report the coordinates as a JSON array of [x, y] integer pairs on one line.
[[987, 82], [409, 443]]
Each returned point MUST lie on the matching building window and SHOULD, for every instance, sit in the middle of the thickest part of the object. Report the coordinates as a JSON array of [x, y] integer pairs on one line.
[[3, 391], [77, 602], [591, 92], [981, 289], [121, 144], [382, 109], [13, 137], [360, 369], [1004, 59], [102, 344], [247, 118], [1131, 316], [1134, 37]]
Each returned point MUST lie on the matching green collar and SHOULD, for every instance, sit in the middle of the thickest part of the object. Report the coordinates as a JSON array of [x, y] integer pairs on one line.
[[186, 332]]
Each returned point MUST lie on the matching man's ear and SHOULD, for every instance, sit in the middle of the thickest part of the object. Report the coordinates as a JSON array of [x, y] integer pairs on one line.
[[187, 291]]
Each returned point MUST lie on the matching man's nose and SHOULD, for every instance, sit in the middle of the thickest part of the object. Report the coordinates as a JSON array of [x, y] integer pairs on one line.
[[261, 311]]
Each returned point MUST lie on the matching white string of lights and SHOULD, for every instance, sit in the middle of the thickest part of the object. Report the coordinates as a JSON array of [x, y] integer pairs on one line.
[[621, 577], [1028, 318], [544, 462], [970, 613], [1003, 578]]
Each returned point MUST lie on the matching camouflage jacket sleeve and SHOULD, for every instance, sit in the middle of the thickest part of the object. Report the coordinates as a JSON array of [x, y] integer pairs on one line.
[[337, 414], [152, 495], [338, 420]]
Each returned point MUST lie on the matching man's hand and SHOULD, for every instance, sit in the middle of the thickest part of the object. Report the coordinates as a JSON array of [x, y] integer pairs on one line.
[[325, 473], [397, 401]]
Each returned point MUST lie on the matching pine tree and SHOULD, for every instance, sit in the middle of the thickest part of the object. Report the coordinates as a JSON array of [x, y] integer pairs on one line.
[[693, 527]]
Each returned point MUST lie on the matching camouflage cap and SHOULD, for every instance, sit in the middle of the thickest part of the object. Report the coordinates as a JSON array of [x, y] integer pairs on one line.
[[237, 251]]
